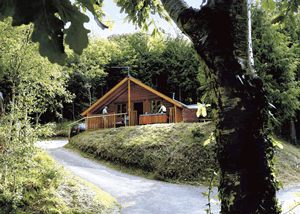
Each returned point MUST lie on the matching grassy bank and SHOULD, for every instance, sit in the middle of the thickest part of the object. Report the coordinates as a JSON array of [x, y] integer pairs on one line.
[[288, 163], [169, 152], [42, 186]]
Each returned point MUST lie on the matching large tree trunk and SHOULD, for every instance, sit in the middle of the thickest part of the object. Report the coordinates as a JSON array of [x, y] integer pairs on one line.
[[219, 31]]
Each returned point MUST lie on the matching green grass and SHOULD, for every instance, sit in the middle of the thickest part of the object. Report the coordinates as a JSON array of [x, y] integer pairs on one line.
[[169, 152], [288, 163], [43, 186]]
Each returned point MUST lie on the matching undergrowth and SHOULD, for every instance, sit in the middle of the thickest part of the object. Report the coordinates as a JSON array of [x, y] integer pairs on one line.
[[42, 186]]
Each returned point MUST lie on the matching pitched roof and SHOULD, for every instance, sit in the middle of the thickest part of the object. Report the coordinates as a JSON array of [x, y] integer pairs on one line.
[[120, 85]]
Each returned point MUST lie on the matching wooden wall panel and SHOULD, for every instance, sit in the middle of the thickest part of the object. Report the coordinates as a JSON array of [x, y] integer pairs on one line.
[[147, 106], [189, 115], [178, 115], [110, 109], [123, 98], [137, 94]]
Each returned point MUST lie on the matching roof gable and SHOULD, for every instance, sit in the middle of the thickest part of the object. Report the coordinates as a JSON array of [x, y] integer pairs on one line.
[[120, 87]]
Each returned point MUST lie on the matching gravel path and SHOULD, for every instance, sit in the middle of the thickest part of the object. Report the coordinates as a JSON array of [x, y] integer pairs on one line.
[[139, 195]]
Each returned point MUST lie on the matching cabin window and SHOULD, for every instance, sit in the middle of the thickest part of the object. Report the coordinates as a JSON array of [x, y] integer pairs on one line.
[[155, 106], [121, 109]]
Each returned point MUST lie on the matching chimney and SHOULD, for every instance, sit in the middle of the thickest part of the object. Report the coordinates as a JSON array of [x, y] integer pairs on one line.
[[173, 96]]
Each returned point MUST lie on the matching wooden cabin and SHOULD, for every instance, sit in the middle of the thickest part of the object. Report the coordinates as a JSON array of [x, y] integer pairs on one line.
[[133, 103]]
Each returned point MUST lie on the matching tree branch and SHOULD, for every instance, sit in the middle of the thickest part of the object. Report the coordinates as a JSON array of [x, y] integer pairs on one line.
[[175, 8]]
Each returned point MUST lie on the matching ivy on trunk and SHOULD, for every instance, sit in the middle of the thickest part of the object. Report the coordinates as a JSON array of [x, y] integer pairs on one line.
[[219, 31]]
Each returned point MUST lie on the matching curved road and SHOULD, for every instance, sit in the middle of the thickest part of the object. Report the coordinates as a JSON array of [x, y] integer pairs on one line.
[[139, 195]]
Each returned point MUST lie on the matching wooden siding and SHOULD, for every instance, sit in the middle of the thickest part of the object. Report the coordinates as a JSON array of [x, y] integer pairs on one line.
[[153, 118], [156, 92], [146, 106], [137, 94], [189, 115], [172, 115], [178, 115], [133, 118]]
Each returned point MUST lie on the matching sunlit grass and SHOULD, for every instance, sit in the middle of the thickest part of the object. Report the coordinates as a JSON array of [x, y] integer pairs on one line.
[[43, 186], [169, 152]]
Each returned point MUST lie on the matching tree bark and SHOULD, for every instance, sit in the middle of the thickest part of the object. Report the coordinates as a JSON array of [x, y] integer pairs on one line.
[[293, 133], [62, 117], [219, 31]]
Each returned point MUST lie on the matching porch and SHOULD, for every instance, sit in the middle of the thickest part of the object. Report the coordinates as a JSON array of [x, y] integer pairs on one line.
[[105, 121]]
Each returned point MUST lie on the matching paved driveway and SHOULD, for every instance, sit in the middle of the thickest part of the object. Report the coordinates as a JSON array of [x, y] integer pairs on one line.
[[139, 195]]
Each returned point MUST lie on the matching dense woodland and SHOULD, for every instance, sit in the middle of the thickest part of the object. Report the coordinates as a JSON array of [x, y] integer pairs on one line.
[[246, 106], [165, 63]]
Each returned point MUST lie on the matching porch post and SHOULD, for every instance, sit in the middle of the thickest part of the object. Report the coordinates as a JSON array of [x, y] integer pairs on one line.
[[175, 118], [87, 121], [114, 120], [129, 109]]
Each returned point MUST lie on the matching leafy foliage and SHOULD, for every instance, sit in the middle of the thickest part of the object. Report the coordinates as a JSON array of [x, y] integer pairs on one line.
[[87, 74], [26, 73], [276, 61], [287, 12], [76, 36], [42, 186], [139, 13], [48, 27], [50, 18]]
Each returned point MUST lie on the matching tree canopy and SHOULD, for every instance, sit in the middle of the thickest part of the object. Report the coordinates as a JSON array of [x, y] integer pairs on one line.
[[237, 92]]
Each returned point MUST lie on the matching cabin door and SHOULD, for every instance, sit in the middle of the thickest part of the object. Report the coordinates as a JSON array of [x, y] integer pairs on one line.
[[138, 107]]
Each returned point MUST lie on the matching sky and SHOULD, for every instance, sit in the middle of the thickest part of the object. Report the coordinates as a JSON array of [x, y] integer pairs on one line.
[[120, 27]]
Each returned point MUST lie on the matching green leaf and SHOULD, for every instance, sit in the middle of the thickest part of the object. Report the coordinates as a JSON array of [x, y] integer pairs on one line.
[[206, 142], [209, 140], [294, 7], [76, 34], [292, 20], [272, 5], [47, 31], [205, 194], [25, 12], [265, 5], [89, 5], [278, 144], [297, 193], [277, 19]]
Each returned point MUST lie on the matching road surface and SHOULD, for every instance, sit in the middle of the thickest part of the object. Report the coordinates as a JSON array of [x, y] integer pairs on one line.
[[142, 196]]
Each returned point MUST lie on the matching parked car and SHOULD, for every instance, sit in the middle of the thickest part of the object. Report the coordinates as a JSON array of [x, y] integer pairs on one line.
[[77, 129]]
